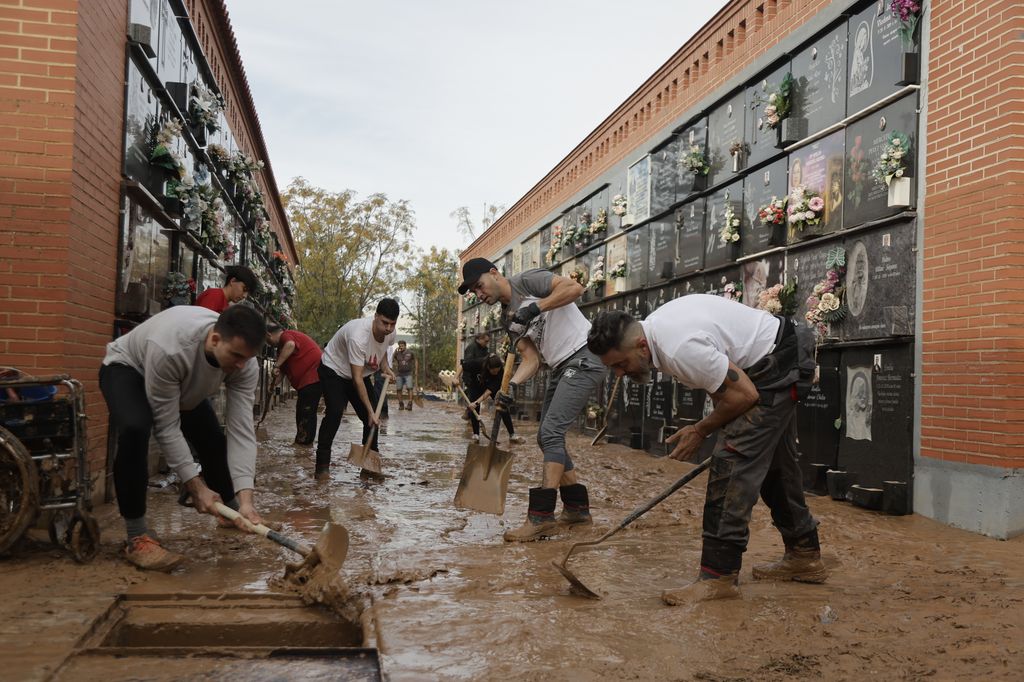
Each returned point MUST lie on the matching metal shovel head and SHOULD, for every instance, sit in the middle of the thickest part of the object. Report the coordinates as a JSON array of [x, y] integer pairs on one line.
[[365, 458], [600, 434], [576, 585], [416, 398], [332, 545], [480, 490]]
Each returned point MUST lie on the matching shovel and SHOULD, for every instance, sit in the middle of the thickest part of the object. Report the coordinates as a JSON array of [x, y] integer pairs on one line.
[[577, 585], [418, 399], [476, 414], [330, 550], [362, 455], [608, 410], [484, 481]]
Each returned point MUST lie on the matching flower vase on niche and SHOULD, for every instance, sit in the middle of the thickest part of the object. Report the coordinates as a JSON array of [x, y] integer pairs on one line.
[[620, 285], [700, 183], [909, 66], [792, 129], [628, 220], [199, 132], [178, 92], [170, 202], [899, 192]]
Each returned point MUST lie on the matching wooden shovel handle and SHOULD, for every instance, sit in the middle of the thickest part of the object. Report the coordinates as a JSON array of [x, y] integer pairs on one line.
[[510, 366], [258, 528], [376, 414]]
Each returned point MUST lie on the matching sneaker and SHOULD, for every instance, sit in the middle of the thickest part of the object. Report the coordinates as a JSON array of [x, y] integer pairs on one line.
[[322, 475], [401, 406], [516, 440], [146, 553]]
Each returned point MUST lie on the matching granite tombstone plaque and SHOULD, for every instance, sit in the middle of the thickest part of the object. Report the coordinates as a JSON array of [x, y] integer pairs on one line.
[[878, 416], [615, 260], [616, 189], [687, 181], [761, 274], [169, 53], [598, 261], [866, 139], [660, 409], [695, 284], [543, 246], [638, 192], [762, 139], [806, 266], [601, 202], [726, 146], [818, 169], [141, 121], [632, 426], [875, 52], [637, 257], [760, 188], [880, 281], [819, 74], [724, 203], [664, 176], [690, 240], [817, 425], [662, 261], [517, 259], [635, 303], [727, 283]]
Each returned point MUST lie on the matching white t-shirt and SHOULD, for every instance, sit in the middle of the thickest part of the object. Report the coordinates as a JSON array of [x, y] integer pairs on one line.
[[557, 333], [354, 344], [694, 338]]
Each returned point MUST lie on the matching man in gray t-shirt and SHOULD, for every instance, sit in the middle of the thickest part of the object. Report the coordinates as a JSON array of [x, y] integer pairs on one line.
[[556, 335]]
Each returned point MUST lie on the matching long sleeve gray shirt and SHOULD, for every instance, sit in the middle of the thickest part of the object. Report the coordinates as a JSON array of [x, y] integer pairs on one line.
[[168, 350]]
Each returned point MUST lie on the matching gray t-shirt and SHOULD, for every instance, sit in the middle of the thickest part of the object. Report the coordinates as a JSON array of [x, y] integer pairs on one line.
[[557, 333]]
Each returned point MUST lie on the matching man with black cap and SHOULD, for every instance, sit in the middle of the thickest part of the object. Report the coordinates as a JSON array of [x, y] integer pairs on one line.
[[544, 304]]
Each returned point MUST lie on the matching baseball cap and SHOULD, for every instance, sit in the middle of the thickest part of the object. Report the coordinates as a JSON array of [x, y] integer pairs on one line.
[[471, 272]]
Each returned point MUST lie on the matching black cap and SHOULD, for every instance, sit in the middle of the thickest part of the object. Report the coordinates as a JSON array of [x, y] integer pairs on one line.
[[471, 272]]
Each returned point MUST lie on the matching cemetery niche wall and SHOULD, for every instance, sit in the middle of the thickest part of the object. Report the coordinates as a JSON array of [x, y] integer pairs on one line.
[[740, 201]]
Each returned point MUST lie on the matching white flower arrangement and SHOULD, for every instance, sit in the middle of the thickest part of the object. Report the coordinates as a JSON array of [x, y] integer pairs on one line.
[[619, 270], [597, 276], [600, 224], [892, 163], [205, 107], [619, 205], [730, 232]]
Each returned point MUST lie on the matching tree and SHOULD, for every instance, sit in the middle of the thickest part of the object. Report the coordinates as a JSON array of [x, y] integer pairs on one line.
[[434, 311], [464, 220], [351, 253]]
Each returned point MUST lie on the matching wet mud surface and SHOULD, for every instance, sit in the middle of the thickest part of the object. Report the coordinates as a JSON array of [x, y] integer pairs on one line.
[[908, 598]]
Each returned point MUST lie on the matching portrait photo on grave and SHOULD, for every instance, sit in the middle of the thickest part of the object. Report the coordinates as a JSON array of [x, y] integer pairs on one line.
[[862, 67], [858, 402], [857, 277]]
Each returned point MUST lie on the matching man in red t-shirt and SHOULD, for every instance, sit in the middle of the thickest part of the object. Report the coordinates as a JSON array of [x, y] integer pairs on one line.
[[299, 357], [239, 282]]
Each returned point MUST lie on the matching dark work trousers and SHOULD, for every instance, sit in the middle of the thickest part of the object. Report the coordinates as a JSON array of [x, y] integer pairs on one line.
[[378, 386], [755, 454], [339, 392], [570, 386], [124, 390], [305, 413]]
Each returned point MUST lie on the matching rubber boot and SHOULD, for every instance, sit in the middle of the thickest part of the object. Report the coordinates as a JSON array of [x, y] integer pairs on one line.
[[801, 563], [706, 587], [575, 505], [540, 518]]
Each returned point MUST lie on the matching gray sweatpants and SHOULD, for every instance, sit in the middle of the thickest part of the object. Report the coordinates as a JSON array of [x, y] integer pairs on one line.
[[570, 387]]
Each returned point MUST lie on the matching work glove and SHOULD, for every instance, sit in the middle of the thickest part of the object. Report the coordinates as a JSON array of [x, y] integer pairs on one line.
[[507, 400], [524, 315]]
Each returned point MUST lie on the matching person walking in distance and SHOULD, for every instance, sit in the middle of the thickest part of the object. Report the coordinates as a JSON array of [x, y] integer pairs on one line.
[[544, 306], [354, 353], [405, 366], [239, 282], [298, 356], [755, 366]]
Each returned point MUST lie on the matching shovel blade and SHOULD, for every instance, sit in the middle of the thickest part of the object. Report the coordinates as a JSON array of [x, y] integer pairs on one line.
[[332, 545], [576, 585], [479, 489], [417, 399], [600, 435], [367, 459]]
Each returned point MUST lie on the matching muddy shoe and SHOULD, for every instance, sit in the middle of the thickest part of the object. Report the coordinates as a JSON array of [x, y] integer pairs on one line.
[[702, 591], [540, 518], [146, 553], [803, 566], [322, 475], [516, 440], [575, 505]]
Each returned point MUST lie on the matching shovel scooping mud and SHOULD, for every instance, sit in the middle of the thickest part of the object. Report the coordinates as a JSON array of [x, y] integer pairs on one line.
[[608, 410], [469, 406], [577, 585], [363, 455]]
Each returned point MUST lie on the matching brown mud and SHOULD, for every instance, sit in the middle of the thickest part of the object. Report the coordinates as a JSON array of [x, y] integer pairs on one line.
[[908, 598]]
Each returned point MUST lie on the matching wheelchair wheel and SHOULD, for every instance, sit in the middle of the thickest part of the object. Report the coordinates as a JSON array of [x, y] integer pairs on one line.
[[19, 490], [84, 537], [58, 527]]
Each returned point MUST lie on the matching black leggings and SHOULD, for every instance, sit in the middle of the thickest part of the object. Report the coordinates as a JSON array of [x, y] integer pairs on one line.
[[339, 392], [305, 413], [124, 390]]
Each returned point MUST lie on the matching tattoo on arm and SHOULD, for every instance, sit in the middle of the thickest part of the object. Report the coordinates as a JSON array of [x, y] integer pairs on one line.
[[730, 375]]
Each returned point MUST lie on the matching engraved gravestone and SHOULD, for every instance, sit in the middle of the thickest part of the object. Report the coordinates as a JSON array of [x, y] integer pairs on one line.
[[663, 249], [615, 259], [690, 241], [819, 74], [878, 408], [584, 217], [169, 52], [867, 195], [636, 396], [726, 147], [543, 244], [659, 413], [761, 274], [874, 56], [664, 174], [727, 283], [724, 203], [616, 189], [760, 188], [636, 273], [818, 170], [593, 261], [635, 303], [817, 430], [762, 139], [638, 192], [141, 111], [688, 182], [694, 284], [658, 297], [806, 267], [880, 281]]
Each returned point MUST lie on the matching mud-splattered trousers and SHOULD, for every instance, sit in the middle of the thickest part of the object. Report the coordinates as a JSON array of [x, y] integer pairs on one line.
[[570, 387], [305, 413], [754, 455]]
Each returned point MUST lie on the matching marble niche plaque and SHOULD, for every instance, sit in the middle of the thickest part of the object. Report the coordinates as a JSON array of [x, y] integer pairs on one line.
[[543, 244], [880, 281], [517, 259], [725, 134], [818, 168], [662, 263], [616, 188], [635, 303], [690, 240], [877, 389], [819, 75], [726, 283], [760, 188], [867, 198], [632, 425], [716, 251], [616, 254], [762, 140], [638, 192], [141, 120], [591, 260], [658, 297], [664, 176], [660, 410], [169, 53], [816, 415], [874, 56], [807, 267], [760, 274], [691, 285], [638, 243], [688, 183]]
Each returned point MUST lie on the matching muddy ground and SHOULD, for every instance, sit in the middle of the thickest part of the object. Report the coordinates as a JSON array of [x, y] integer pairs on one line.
[[908, 598]]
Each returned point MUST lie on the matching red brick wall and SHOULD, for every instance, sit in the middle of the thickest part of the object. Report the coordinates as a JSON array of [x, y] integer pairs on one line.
[[973, 339]]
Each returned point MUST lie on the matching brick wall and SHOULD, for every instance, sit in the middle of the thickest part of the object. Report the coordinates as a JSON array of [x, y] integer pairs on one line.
[[972, 343]]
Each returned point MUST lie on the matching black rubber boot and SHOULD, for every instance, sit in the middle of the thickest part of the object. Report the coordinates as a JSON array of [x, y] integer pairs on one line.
[[575, 504], [540, 518]]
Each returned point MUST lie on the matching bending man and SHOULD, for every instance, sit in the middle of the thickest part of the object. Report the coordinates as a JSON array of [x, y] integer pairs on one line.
[[299, 357]]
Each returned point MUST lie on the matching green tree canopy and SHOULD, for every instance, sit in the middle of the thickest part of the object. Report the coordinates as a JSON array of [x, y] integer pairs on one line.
[[431, 284]]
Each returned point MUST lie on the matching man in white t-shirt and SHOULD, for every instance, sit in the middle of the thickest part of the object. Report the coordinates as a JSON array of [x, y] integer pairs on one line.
[[545, 304], [751, 363], [353, 354]]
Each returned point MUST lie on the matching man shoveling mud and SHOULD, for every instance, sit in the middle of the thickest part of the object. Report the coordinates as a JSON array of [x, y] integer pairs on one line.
[[157, 378], [298, 356], [749, 361], [559, 340]]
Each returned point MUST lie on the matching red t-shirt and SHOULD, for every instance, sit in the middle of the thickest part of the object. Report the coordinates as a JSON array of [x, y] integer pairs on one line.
[[301, 365], [214, 299]]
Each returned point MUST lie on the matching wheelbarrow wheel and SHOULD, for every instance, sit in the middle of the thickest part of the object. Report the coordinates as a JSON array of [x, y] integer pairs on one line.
[[84, 537], [19, 490]]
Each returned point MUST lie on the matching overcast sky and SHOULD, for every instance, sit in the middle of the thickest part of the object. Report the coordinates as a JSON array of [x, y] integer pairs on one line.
[[445, 103]]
